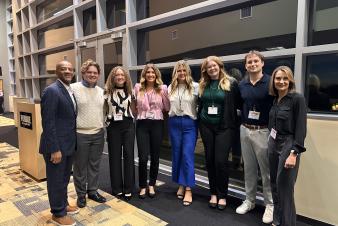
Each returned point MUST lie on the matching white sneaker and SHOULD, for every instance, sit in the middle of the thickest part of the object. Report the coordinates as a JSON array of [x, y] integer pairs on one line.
[[245, 207], [268, 214]]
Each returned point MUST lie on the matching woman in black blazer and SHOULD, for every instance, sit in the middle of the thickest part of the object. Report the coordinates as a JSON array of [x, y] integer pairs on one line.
[[217, 114]]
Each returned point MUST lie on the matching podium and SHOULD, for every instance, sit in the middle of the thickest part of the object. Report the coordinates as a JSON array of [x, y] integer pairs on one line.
[[16, 101], [29, 132]]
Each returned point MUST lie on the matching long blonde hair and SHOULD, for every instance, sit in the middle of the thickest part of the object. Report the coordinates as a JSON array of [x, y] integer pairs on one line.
[[188, 78], [224, 78], [110, 85], [158, 81]]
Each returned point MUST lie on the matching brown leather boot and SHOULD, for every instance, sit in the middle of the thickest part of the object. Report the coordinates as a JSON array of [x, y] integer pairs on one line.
[[63, 221]]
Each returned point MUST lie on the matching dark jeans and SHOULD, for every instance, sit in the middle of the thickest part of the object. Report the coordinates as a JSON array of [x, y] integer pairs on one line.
[[149, 134], [217, 143], [58, 176], [282, 181], [121, 138], [87, 161]]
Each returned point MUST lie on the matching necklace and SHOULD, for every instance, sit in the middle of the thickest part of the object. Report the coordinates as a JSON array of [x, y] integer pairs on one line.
[[180, 97]]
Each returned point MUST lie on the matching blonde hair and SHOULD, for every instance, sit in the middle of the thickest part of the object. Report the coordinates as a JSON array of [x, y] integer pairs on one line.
[[188, 78], [292, 86], [158, 80], [224, 78], [110, 85], [89, 63]]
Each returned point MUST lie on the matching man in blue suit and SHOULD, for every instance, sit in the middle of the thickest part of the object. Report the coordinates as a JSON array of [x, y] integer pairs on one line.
[[58, 141]]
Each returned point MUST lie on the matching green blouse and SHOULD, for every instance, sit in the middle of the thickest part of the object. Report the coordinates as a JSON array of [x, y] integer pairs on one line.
[[212, 97]]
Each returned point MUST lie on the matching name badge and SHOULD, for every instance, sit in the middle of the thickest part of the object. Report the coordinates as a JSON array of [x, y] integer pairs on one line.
[[254, 115], [212, 110], [150, 115], [273, 133], [118, 117]]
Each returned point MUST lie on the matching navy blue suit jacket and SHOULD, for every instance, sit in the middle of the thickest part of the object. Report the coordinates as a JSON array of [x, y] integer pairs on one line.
[[58, 121]]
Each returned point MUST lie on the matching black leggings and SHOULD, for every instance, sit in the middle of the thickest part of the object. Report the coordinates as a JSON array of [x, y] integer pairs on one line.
[[149, 138]]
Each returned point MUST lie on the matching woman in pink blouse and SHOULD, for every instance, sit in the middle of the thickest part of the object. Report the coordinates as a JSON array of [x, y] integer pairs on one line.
[[152, 100]]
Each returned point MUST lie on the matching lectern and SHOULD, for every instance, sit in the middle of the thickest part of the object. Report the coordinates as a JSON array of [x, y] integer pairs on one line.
[[29, 132]]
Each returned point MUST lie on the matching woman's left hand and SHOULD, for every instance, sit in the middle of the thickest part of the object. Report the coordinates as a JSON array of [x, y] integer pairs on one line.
[[290, 161]]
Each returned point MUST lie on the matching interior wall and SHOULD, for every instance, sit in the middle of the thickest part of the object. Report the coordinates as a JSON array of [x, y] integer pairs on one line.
[[53, 59], [317, 183], [58, 36], [267, 20], [326, 19], [157, 7]]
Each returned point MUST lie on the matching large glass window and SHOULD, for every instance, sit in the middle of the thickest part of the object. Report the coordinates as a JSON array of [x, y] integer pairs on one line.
[[48, 62], [234, 69], [149, 8], [322, 83], [56, 33], [48, 9], [112, 57], [44, 82], [89, 21], [323, 26], [116, 13], [88, 53], [226, 33]]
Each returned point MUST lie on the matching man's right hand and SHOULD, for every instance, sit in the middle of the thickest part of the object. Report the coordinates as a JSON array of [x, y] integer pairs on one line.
[[56, 157]]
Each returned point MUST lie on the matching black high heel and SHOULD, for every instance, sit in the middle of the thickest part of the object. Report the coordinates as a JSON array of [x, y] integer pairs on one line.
[[187, 203], [142, 196], [152, 194], [128, 197]]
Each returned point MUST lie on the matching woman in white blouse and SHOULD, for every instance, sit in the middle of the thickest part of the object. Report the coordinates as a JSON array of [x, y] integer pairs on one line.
[[183, 92]]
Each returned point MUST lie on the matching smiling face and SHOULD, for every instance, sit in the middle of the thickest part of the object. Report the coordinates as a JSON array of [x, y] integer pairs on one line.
[[64, 71], [91, 75], [281, 81], [119, 78], [150, 76], [254, 64], [213, 70], [181, 74]]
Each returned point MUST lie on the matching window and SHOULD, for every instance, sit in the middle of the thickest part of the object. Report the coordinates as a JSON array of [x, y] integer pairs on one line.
[[88, 53], [236, 171], [89, 21], [48, 9], [112, 57], [56, 34], [116, 13], [222, 34], [48, 62], [246, 12], [322, 83], [149, 8], [323, 26], [44, 82]]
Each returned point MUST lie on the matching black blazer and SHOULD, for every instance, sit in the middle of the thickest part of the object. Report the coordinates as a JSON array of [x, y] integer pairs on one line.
[[58, 121], [232, 102]]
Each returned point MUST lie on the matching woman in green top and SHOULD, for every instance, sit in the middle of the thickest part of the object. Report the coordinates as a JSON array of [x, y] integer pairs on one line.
[[219, 100]]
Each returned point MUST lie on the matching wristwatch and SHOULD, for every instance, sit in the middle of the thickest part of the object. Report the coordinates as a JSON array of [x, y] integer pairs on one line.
[[294, 152]]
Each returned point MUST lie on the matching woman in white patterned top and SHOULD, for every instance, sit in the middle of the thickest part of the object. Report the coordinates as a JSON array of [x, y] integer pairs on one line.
[[183, 92], [120, 109]]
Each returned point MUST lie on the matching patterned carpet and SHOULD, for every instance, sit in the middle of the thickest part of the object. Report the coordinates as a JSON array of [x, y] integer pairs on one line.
[[23, 201]]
